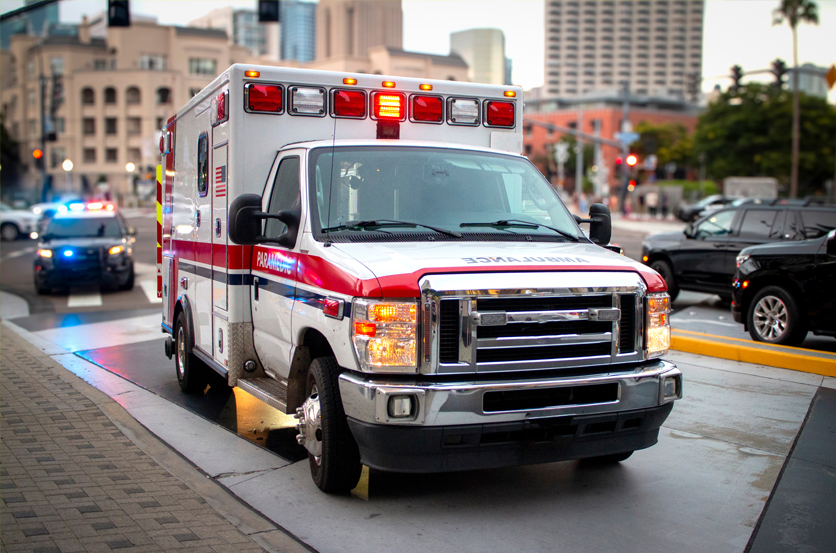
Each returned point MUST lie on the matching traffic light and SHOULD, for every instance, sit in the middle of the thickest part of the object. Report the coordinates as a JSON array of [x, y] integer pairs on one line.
[[268, 11], [736, 75], [779, 69], [632, 160], [118, 13], [38, 154]]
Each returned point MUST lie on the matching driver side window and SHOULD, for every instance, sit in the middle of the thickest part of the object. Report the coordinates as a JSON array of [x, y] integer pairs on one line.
[[718, 224], [285, 195]]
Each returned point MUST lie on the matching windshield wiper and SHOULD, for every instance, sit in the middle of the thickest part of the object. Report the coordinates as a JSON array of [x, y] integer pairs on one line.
[[511, 223], [379, 223]]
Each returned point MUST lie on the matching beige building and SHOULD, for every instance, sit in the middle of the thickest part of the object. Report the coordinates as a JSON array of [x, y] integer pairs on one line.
[[384, 60], [243, 29], [348, 28], [484, 52], [120, 86]]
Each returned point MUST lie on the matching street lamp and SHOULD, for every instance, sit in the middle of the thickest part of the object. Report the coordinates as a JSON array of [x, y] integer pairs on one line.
[[130, 168], [67, 166]]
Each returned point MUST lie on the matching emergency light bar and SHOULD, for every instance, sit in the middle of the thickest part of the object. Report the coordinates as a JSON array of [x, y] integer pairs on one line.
[[499, 114], [426, 109], [348, 103], [463, 111], [263, 98], [389, 106], [307, 101]]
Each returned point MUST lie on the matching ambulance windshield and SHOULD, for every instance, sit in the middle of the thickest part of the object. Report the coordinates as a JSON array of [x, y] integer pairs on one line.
[[448, 192]]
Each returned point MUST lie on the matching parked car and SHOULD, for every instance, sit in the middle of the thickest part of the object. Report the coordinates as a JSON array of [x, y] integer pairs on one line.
[[692, 212], [16, 222], [783, 291], [702, 257]]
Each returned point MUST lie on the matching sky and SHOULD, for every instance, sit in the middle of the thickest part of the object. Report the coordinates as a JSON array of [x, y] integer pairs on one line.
[[735, 31]]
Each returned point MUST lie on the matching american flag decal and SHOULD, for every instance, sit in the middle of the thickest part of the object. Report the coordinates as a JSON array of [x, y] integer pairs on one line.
[[220, 181]]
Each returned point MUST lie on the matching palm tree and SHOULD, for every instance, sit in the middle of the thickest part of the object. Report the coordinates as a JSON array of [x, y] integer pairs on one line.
[[795, 11]]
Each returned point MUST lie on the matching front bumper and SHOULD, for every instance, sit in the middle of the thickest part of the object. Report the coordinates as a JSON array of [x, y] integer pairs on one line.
[[483, 424], [50, 276]]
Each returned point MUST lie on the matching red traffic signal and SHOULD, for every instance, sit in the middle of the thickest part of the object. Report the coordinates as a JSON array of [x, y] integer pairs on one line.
[[618, 160], [632, 160], [37, 153]]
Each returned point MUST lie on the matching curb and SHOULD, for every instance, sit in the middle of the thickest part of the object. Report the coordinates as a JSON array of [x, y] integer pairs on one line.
[[797, 359]]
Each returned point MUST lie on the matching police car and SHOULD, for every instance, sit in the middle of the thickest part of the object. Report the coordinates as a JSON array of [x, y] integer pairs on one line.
[[85, 244]]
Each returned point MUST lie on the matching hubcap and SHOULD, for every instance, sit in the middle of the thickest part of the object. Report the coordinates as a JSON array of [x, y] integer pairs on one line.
[[770, 318], [9, 232], [310, 426], [181, 352]]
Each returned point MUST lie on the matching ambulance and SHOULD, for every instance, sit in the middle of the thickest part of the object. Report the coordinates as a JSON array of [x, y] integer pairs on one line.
[[373, 254]]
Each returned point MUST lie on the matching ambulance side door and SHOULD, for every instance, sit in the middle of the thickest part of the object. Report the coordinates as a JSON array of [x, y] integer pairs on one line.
[[274, 272]]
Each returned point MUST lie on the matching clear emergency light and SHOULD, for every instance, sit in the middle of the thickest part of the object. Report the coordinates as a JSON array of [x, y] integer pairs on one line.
[[463, 111], [307, 101], [499, 114], [426, 109], [263, 98], [348, 103], [388, 106]]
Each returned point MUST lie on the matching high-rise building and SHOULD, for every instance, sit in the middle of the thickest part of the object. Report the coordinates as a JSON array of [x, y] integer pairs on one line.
[[31, 20], [484, 52], [243, 29], [298, 40], [348, 28], [652, 45]]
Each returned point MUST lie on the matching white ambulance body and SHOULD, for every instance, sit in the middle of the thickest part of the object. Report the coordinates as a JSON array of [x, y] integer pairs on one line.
[[373, 254]]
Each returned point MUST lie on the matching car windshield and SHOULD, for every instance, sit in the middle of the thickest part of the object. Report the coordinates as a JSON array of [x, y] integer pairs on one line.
[[446, 192], [107, 227]]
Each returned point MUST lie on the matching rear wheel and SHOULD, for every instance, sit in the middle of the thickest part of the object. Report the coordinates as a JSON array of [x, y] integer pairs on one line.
[[191, 371], [323, 430], [774, 318], [9, 232], [664, 268]]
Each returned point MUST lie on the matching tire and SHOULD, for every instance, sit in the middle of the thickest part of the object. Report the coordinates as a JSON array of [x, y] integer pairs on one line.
[[664, 268], [608, 459], [775, 318], [9, 232], [191, 371], [129, 284], [337, 467], [41, 289]]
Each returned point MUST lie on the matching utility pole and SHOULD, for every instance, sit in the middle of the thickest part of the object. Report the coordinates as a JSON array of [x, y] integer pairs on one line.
[[42, 82], [579, 157], [625, 149]]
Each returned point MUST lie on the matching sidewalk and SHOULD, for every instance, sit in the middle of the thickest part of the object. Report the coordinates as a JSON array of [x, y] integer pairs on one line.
[[77, 476]]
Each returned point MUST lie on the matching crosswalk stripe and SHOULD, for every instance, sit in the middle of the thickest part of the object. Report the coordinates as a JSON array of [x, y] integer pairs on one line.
[[150, 289], [89, 299]]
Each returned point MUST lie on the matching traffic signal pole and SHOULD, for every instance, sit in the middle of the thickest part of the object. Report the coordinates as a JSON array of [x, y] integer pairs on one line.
[[625, 148], [42, 80]]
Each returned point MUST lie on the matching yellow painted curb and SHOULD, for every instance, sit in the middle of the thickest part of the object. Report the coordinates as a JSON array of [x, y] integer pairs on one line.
[[780, 359]]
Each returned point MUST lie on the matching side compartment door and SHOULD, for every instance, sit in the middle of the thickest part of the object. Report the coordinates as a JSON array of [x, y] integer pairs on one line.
[[203, 247], [274, 273], [220, 257]]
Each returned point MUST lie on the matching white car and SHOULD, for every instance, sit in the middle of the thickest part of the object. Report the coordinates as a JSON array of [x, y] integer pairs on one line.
[[14, 222]]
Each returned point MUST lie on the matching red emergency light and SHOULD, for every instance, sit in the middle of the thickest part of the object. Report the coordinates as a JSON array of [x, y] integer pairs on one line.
[[264, 98], [388, 106], [499, 114], [427, 109], [349, 103]]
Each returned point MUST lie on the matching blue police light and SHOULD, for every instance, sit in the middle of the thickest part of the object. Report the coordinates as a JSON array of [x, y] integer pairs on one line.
[[68, 253], [77, 206]]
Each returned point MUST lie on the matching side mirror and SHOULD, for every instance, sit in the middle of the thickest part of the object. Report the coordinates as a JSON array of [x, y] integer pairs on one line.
[[831, 243], [245, 217], [689, 230], [600, 231]]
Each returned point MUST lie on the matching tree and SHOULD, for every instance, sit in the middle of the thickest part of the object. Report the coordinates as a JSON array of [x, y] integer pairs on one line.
[[11, 166], [749, 136], [669, 142], [795, 12], [548, 165]]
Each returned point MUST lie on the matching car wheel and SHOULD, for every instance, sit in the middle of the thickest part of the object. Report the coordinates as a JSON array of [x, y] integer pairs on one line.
[[129, 283], [323, 430], [41, 289], [608, 459], [664, 268], [774, 318], [191, 371], [9, 232]]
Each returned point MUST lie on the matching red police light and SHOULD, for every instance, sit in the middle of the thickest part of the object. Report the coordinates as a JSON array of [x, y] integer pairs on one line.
[[264, 98], [500, 114], [632, 160], [388, 106], [427, 109], [350, 103], [37, 153]]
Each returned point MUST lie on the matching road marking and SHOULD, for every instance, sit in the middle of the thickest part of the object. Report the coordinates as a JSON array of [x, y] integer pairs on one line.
[[150, 289], [707, 321], [19, 253], [89, 299]]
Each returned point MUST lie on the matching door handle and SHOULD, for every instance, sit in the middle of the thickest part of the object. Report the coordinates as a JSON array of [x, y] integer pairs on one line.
[[255, 288], [218, 227], [718, 245], [197, 219]]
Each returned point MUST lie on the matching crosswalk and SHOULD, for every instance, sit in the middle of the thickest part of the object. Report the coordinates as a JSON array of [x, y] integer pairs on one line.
[[145, 280]]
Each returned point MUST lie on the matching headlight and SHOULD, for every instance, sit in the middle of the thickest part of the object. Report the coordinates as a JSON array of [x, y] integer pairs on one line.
[[385, 335], [741, 259], [44, 253], [658, 324], [116, 249]]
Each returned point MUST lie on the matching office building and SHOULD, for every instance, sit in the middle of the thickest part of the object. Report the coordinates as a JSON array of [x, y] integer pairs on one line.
[[298, 21], [348, 28], [651, 45], [28, 20], [243, 29], [484, 52]]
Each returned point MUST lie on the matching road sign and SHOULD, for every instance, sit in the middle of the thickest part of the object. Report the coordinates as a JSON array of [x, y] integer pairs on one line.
[[650, 162], [561, 152], [627, 137], [831, 77]]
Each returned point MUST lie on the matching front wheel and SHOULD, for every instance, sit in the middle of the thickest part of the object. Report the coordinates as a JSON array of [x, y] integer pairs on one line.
[[774, 318], [191, 371], [9, 232], [664, 268], [323, 430]]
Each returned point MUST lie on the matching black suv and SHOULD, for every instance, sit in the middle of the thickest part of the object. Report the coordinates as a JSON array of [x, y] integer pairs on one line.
[[702, 257], [782, 291]]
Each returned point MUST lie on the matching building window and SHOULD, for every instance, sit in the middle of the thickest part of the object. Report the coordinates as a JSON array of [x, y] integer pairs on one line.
[[99, 65], [202, 66], [110, 125], [160, 122], [134, 155], [111, 155], [134, 125], [89, 155], [56, 157], [31, 98], [58, 124], [133, 96], [88, 126], [152, 62], [194, 92], [163, 95], [33, 128], [110, 95], [30, 67], [56, 67], [88, 97]]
